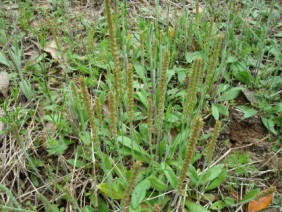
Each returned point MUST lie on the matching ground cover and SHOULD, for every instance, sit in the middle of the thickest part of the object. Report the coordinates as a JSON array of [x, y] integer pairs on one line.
[[140, 105]]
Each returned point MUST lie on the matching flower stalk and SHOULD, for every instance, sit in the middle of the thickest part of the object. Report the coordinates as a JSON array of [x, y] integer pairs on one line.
[[209, 151], [195, 134], [125, 202], [190, 99]]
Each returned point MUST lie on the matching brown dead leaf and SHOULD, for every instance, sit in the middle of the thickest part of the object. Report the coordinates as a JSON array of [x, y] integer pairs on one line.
[[4, 83], [250, 95], [49, 129], [262, 203], [52, 49], [201, 10], [44, 5]]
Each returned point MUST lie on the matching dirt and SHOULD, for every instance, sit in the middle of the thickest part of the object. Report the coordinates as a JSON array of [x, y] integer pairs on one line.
[[252, 134], [245, 131]]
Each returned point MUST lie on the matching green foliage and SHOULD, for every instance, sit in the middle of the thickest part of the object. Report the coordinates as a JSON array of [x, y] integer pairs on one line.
[[240, 163], [112, 190], [73, 141], [56, 146], [139, 193]]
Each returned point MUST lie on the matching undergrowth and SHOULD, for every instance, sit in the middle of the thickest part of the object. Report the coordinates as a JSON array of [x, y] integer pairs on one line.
[[127, 110]]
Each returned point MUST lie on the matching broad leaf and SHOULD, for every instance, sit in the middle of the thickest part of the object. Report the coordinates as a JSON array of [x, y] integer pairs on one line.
[[157, 184], [139, 193], [217, 181], [211, 174], [230, 94], [193, 207], [131, 144], [170, 175], [190, 57], [193, 175], [141, 96], [222, 109], [268, 123], [5, 61], [215, 112], [277, 108], [241, 73], [248, 197], [112, 190], [218, 205], [248, 112]]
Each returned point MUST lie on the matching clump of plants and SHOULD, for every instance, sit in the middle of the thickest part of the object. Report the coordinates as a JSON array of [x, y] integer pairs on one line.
[[136, 124]]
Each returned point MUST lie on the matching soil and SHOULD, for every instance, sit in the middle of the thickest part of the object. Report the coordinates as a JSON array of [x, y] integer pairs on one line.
[[245, 131]]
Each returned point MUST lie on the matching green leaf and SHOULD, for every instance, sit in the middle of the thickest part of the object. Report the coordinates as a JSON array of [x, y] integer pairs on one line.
[[248, 197], [215, 112], [170, 74], [77, 163], [193, 175], [27, 89], [102, 206], [229, 201], [230, 94], [137, 156], [217, 181], [181, 75], [141, 96], [139, 193], [241, 73], [190, 57], [222, 109], [211, 174], [218, 205], [193, 207], [88, 208], [170, 175], [140, 72], [56, 146], [47, 205], [171, 118], [132, 145], [231, 59], [109, 191], [248, 112], [5, 61], [268, 123], [157, 184], [277, 108]]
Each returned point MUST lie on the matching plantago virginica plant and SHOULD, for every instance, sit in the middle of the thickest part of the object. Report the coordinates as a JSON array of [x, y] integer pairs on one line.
[[161, 100], [209, 151], [190, 100], [114, 50], [130, 93], [98, 110], [195, 134], [130, 100], [150, 118], [113, 113], [125, 202], [212, 63], [87, 103], [197, 7]]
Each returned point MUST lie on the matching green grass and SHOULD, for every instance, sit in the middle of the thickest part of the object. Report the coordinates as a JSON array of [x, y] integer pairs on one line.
[[117, 106]]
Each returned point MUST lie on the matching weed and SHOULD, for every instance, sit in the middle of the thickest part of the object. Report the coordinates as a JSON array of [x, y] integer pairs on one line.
[[110, 107]]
